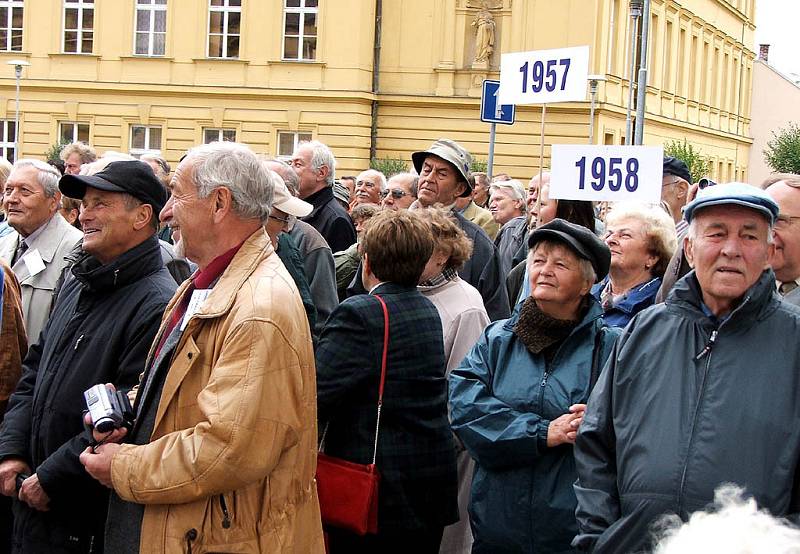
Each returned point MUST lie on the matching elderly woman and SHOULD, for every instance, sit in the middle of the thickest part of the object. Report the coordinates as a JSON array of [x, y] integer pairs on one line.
[[463, 320], [508, 207], [642, 241], [519, 396], [415, 450]]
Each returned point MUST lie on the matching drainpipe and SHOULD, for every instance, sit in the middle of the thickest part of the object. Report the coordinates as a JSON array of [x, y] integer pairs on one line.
[[376, 65]]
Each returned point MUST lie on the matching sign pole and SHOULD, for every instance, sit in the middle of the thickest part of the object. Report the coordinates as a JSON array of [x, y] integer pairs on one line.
[[489, 169], [541, 165]]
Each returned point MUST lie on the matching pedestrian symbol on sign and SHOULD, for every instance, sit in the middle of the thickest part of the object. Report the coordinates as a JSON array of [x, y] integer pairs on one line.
[[492, 111]]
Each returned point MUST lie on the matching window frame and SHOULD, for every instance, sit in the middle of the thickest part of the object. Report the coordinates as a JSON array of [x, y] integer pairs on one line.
[[295, 141], [79, 5], [220, 134], [301, 10], [139, 152], [225, 9], [8, 145], [75, 131], [151, 33], [12, 5]]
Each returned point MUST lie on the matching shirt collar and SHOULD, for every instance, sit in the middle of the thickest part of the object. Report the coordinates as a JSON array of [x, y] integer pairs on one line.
[[205, 278], [33, 236]]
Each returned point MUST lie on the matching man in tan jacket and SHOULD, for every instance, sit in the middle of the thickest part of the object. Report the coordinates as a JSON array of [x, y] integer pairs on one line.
[[222, 456]]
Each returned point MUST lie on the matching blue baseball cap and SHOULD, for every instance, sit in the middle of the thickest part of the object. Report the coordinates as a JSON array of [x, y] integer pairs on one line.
[[740, 194]]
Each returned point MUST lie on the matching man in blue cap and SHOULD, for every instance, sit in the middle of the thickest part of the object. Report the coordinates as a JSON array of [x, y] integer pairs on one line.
[[700, 390]]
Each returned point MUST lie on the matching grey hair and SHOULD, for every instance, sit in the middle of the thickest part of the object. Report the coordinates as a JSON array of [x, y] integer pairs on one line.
[[412, 178], [381, 177], [517, 192], [285, 172], [691, 233], [322, 155], [586, 267], [235, 167], [47, 175]]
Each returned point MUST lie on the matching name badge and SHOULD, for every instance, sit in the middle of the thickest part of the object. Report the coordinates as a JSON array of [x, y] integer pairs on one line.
[[197, 299], [33, 261]]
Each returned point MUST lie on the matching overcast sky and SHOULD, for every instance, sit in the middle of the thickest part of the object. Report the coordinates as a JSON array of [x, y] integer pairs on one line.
[[777, 25]]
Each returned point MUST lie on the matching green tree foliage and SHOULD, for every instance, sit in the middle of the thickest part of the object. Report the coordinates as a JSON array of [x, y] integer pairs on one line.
[[54, 152], [782, 153], [699, 166], [388, 166], [479, 166]]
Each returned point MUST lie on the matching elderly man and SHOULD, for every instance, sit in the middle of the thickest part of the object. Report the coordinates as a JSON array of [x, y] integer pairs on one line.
[[223, 450], [443, 177], [370, 185], [478, 215], [534, 185], [75, 155], [699, 391], [508, 208], [316, 168], [315, 253], [786, 260], [102, 324], [675, 183], [43, 238], [401, 191], [480, 193]]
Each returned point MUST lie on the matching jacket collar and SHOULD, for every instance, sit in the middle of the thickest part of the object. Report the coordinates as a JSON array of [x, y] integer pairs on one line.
[[641, 293], [758, 301], [136, 263], [392, 288], [49, 239], [319, 200], [594, 313]]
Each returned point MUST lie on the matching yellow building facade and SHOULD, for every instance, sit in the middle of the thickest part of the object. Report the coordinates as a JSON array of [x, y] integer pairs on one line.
[[164, 75]]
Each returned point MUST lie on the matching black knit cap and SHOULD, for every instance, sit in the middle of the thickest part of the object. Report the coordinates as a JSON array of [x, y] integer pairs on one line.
[[131, 176], [580, 239], [676, 167]]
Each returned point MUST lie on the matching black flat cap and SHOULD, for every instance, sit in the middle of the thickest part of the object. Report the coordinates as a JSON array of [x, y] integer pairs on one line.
[[131, 176], [580, 239], [676, 167]]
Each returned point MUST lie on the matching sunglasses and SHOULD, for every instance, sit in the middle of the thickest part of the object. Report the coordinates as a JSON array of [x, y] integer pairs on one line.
[[396, 193]]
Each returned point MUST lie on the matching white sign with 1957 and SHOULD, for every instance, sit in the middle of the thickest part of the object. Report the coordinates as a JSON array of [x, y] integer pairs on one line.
[[606, 173], [544, 76]]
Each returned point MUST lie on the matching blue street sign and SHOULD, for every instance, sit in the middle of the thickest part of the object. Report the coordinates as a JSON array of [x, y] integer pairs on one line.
[[491, 110]]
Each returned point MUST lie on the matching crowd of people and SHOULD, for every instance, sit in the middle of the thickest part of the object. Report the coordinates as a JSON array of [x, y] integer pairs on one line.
[[554, 376]]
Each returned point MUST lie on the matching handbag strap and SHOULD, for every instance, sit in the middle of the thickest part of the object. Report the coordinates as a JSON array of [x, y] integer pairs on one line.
[[383, 373]]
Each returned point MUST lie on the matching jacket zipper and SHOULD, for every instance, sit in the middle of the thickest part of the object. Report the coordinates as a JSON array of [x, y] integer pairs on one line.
[[78, 342], [226, 517]]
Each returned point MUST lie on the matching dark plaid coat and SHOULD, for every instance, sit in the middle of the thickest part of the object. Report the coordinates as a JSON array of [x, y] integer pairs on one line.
[[416, 453]]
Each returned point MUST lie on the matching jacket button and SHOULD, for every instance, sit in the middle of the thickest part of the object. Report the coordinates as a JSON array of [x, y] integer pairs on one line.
[[189, 355], [191, 534]]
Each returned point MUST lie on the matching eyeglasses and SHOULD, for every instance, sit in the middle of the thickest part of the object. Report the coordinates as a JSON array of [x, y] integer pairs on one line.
[[670, 183], [284, 220], [783, 221], [396, 193]]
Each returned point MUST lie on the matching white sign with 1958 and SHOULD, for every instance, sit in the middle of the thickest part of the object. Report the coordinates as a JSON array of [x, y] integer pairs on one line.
[[606, 173], [544, 76]]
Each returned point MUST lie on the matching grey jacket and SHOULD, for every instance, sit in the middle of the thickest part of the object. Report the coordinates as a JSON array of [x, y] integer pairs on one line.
[[685, 404], [319, 268], [54, 243]]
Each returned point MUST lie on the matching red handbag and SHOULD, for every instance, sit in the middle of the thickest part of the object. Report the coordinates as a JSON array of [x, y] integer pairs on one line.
[[348, 492]]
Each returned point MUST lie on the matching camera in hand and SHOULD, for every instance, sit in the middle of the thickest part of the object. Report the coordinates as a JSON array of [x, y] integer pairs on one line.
[[108, 409]]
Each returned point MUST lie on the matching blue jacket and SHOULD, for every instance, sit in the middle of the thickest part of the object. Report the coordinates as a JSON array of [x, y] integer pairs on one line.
[[640, 297], [502, 400]]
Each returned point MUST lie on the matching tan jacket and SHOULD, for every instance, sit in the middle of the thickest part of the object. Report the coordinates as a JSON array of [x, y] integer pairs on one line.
[[13, 344], [237, 417], [482, 218]]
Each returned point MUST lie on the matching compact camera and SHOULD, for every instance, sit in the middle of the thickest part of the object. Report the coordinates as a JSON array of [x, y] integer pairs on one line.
[[705, 182], [108, 409]]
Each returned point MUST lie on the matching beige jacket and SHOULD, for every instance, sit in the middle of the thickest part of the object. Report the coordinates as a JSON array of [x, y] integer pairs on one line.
[[237, 418], [482, 218]]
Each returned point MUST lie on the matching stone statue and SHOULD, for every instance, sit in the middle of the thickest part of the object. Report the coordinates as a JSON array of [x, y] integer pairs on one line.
[[484, 35]]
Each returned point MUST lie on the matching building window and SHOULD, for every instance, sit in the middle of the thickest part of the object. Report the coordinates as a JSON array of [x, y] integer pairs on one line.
[[151, 27], [8, 138], [78, 26], [73, 132], [300, 29], [224, 28], [11, 25], [288, 141], [145, 139], [218, 135]]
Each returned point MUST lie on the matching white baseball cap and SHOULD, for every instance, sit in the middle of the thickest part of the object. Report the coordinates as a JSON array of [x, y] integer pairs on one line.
[[285, 202]]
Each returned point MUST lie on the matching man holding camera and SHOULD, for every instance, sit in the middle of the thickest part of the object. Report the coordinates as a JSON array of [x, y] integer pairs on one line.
[[222, 455], [101, 327]]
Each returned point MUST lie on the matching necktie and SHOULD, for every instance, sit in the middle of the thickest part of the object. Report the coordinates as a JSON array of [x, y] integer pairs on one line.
[[19, 252], [787, 287]]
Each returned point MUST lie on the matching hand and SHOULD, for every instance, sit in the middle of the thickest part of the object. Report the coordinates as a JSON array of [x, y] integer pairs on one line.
[[9, 469], [692, 193], [115, 436], [98, 463], [561, 430], [33, 494], [578, 410]]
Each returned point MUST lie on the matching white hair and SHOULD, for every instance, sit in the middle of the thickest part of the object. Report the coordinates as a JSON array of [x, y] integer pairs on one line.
[[516, 192], [46, 175], [381, 177], [235, 167], [734, 526], [322, 155]]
